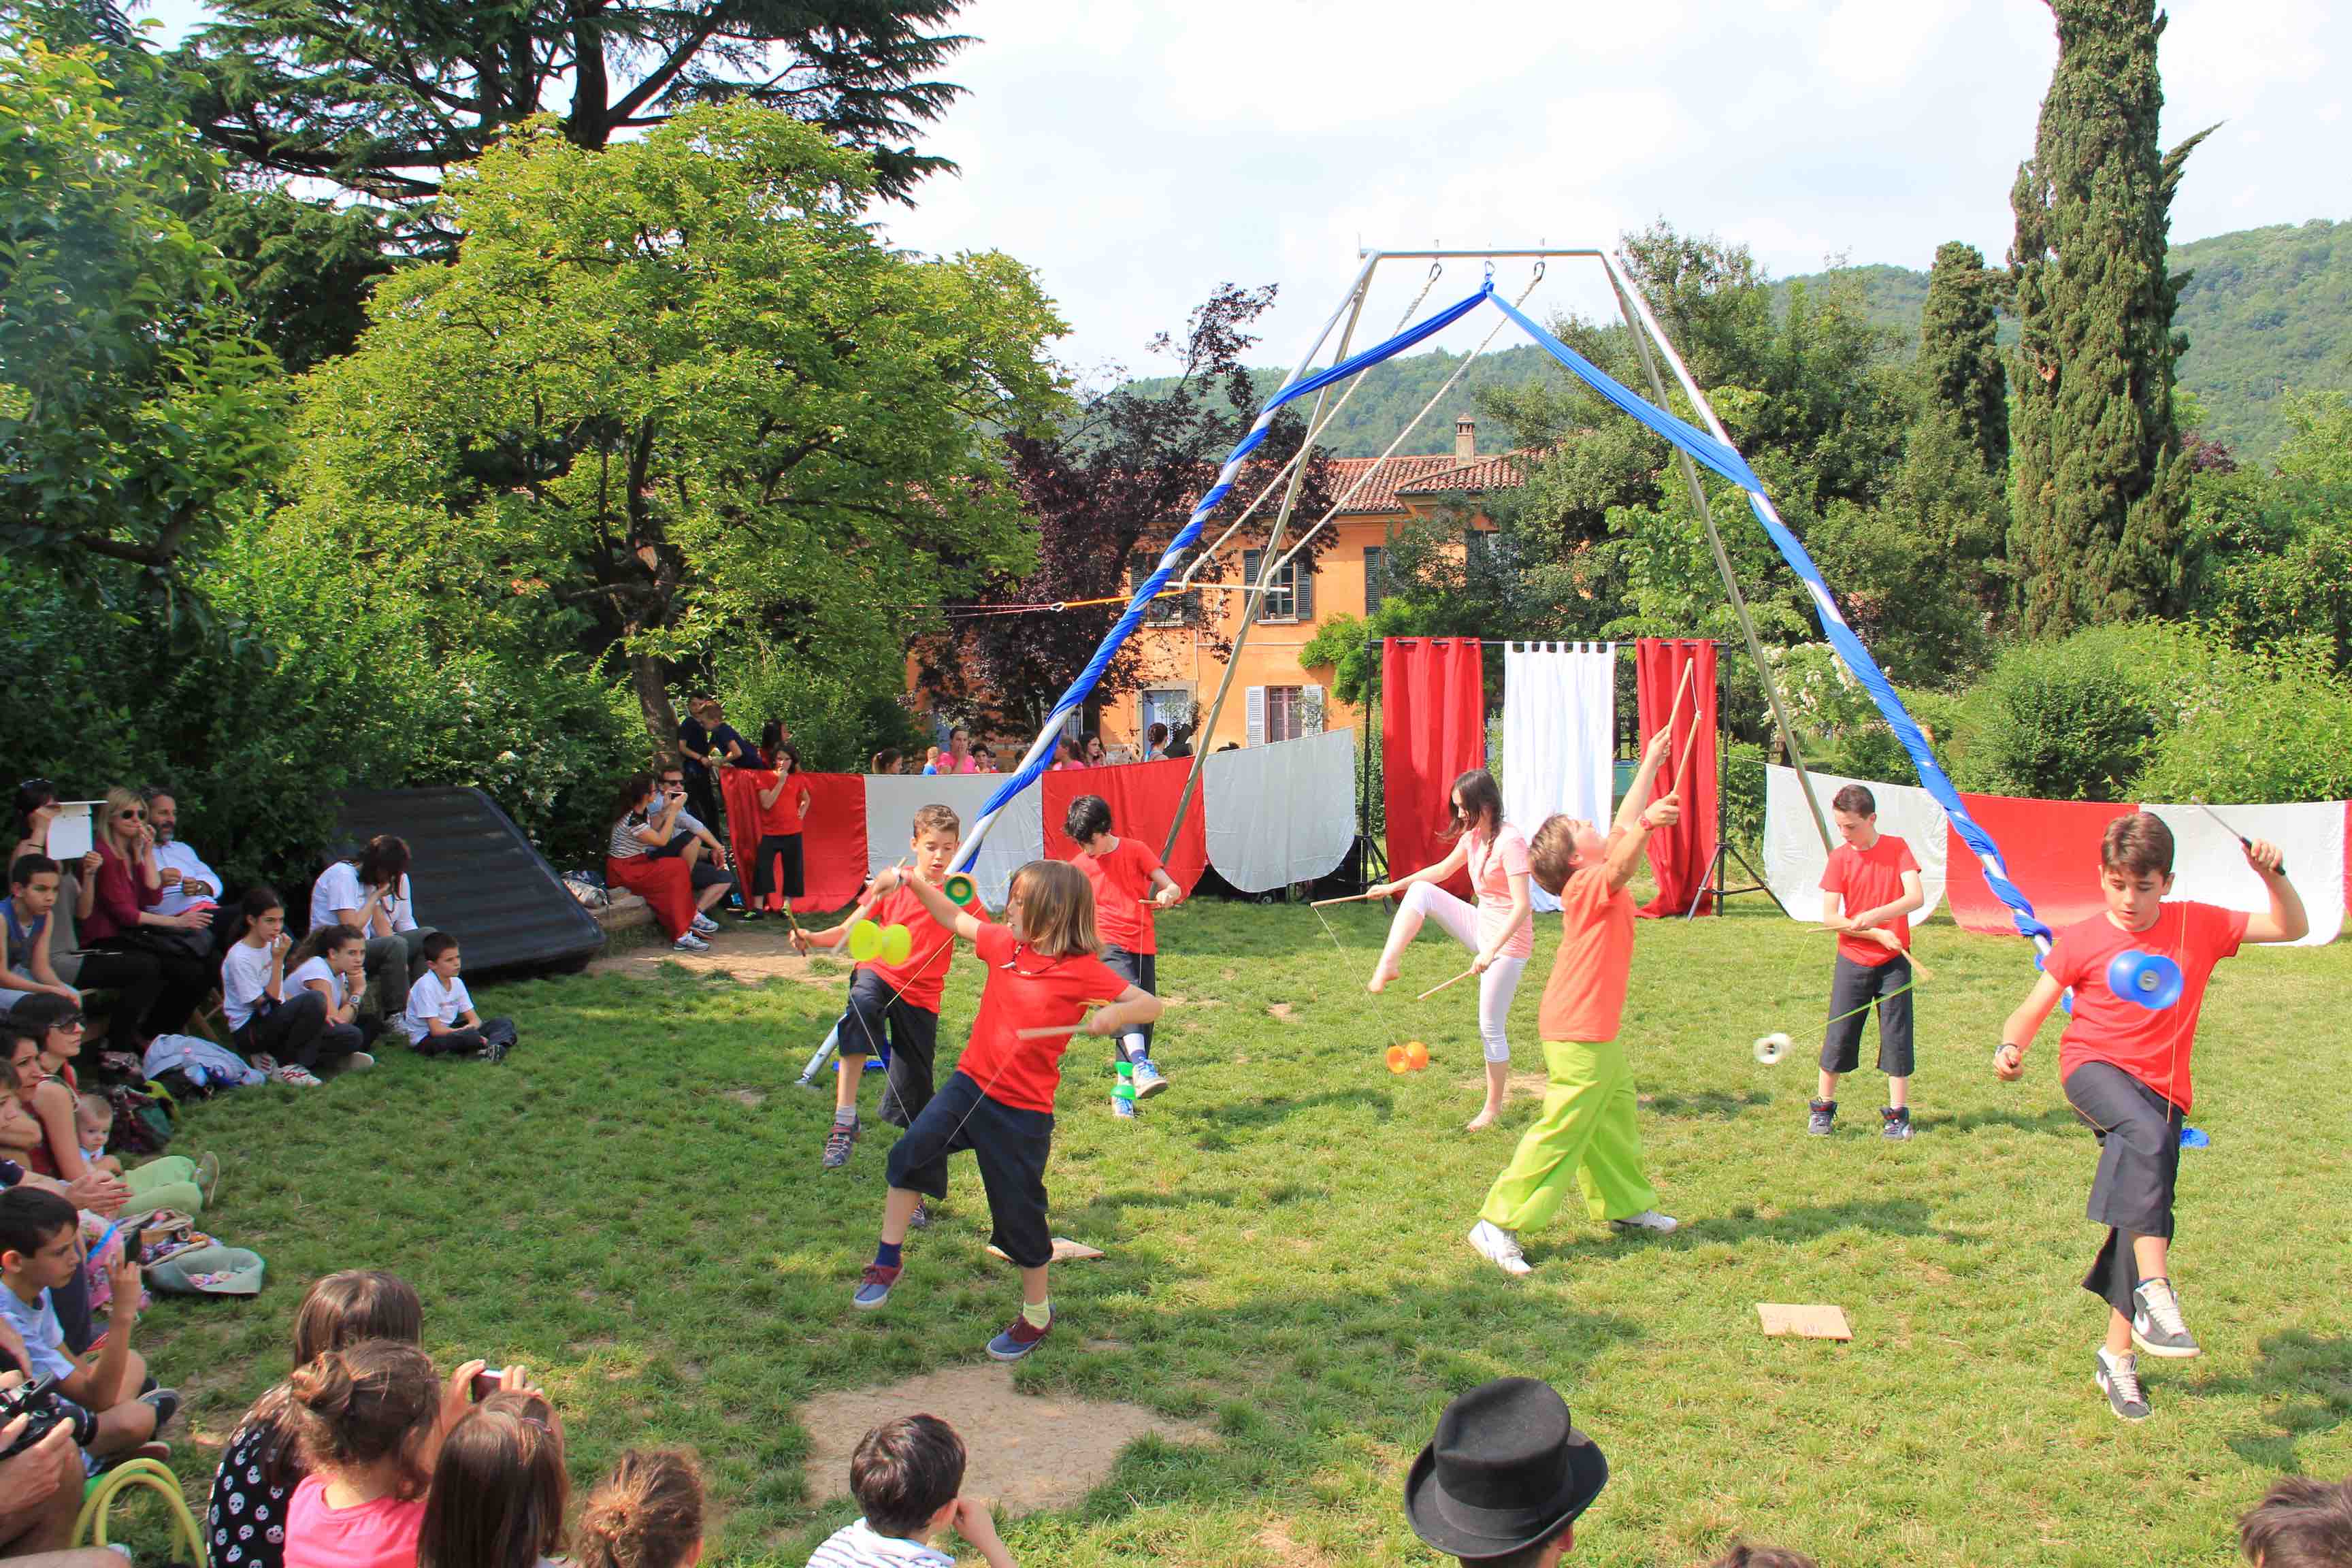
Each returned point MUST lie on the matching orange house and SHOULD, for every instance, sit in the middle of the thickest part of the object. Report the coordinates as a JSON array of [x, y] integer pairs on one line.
[[1274, 698]]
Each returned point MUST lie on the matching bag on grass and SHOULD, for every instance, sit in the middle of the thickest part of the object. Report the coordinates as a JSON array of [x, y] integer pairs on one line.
[[209, 1271], [142, 1121]]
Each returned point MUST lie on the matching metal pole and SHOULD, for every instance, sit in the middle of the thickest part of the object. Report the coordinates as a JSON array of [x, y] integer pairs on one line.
[[1630, 304], [1476, 255], [1251, 601]]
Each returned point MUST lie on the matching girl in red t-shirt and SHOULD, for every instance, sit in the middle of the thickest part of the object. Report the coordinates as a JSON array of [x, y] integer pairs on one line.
[[777, 866], [1130, 885], [1042, 974], [2124, 1068]]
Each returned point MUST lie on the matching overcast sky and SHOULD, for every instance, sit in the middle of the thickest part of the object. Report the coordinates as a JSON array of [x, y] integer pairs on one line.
[[1138, 155]]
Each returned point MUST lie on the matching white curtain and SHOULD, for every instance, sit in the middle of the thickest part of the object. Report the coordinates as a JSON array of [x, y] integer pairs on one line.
[[2209, 864], [1280, 813], [1559, 735], [1017, 837], [1794, 858]]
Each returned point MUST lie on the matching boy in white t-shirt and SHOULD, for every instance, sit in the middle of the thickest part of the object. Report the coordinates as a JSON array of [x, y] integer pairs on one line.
[[441, 1020], [908, 1476]]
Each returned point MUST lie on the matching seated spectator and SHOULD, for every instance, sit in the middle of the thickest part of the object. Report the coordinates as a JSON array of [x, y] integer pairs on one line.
[[332, 961], [187, 880], [40, 1248], [124, 917], [441, 1020], [1504, 1479], [95, 1191], [2299, 1523], [690, 836], [370, 890], [34, 915], [283, 1032], [499, 1488], [369, 1421], [665, 882], [1743, 1556], [886, 761], [1095, 757], [40, 1488], [646, 1514], [931, 760], [262, 1464], [40, 1039], [907, 1477], [25, 967], [1155, 742]]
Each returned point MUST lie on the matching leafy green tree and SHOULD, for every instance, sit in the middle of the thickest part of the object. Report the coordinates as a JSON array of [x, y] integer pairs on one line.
[[673, 401], [2102, 485], [134, 405], [1960, 363]]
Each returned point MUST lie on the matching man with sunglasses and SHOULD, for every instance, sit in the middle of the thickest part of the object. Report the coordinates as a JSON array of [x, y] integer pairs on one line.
[[706, 857]]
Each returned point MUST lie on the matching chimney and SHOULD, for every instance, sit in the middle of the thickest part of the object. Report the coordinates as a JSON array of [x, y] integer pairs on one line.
[[1465, 439]]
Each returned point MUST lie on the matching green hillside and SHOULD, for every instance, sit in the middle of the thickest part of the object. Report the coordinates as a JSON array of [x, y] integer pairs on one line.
[[2266, 311]]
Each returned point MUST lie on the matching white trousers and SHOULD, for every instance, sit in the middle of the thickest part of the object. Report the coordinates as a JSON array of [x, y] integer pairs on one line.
[[1497, 988]]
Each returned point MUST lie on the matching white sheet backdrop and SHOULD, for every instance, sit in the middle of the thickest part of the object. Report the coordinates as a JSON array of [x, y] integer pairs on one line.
[[2209, 866], [1559, 735], [1017, 837], [1279, 814], [1793, 855]]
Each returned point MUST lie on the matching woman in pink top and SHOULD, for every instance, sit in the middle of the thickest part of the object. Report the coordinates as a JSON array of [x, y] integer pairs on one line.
[[1500, 931], [959, 758]]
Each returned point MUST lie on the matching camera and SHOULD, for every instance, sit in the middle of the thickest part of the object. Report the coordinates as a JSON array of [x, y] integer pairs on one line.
[[46, 1407]]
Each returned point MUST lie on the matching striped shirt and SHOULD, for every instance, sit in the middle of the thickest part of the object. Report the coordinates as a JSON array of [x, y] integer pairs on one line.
[[626, 844], [857, 1546]]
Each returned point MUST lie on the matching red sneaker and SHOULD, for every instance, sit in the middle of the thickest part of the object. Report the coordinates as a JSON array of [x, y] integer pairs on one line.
[[1019, 1339]]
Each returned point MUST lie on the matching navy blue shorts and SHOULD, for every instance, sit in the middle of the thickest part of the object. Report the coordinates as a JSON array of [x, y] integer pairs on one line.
[[1011, 1145]]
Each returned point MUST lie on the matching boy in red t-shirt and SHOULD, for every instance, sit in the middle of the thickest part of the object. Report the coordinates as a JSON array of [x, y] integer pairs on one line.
[[893, 1005], [1874, 884], [1042, 974], [1130, 885], [2125, 1068], [1586, 1134]]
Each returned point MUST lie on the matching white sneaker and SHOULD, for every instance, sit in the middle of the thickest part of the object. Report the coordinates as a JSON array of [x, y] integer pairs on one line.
[[300, 1078], [358, 1061], [689, 943], [1648, 1219], [1501, 1248], [704, 925]]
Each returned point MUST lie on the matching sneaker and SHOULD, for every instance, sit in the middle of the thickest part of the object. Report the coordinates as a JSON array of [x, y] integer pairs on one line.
[[1823, 1116], [164, 1401], [1895, 1124], [921, 1219], [358, 1061], [1149, 1080], [1648, 1219], [704, 925], [2118, 1379], [1501, 1248], [1019, 1339], [838, 1142], [1122, 1109], [493, 1053], [874, 1285], [689, 943], [263, 1061], [300, 1078], [755, 913], [2156, 1328]]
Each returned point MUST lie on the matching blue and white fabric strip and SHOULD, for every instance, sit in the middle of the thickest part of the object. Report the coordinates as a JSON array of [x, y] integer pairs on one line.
[[1727, 461], [1189, 535]]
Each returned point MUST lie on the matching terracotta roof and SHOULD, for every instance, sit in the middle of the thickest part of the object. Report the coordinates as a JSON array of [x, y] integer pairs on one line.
[[1430, 475]]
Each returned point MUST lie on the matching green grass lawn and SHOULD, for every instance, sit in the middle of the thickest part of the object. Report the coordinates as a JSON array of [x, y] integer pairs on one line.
[[632, 1206]]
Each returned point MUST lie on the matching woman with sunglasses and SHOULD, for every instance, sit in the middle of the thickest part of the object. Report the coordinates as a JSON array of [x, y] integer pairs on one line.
[[1501, 930], [124, 917]]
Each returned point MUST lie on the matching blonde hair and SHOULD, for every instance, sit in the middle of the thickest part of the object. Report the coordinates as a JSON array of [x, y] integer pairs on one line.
[[1057, 908], [937, 818], [117, 800], [646, 1514]]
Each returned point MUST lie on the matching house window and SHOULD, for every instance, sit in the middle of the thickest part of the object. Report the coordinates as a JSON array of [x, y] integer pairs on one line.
[[1290, 596], [1376, 575], [1286, 713], [1174, 610]]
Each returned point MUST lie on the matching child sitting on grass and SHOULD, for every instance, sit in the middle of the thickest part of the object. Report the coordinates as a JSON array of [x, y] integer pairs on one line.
[[498, 1488], [331, 963], [283, 1032], [1042, 974], [907, 1477], [894, 1004], [40, 1249], [646, 1514], [2299, 1523], [93, 1125], [441, 1020], [2124, 1068]]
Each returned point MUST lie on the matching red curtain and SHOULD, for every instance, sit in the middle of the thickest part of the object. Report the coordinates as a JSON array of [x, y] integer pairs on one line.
[[1433, 730], [2052, 850], [833, 835], [1142, 797], [1682, 857]]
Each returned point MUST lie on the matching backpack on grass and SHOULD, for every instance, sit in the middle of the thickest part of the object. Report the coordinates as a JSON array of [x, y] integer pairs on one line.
[[143, 1119]]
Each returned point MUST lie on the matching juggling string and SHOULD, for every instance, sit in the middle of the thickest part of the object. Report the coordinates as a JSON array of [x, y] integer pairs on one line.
[[1041, 749]]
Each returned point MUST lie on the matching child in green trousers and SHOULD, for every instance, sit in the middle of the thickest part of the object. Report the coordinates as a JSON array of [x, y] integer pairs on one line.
[[1586, 1132]]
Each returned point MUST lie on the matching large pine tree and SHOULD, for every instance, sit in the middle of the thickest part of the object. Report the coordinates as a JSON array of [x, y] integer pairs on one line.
[[1959, 361], [2102, 487]]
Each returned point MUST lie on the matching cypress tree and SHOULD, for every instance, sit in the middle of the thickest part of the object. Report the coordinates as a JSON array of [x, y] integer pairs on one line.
[[2101, 486], [1960, 362]]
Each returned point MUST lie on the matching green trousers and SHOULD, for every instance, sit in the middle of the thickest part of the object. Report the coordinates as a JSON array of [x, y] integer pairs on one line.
[[1586, 1132], [169, 1183]]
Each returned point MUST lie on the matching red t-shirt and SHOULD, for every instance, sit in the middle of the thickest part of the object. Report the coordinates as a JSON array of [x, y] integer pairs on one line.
[[924, 976], [784, 816], [1026, 990], [1584, 999], [1864, 879], [2153, 1047], [1121, 878]]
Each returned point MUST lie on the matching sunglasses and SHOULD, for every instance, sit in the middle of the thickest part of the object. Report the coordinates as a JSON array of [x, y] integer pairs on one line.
[[134, 814]]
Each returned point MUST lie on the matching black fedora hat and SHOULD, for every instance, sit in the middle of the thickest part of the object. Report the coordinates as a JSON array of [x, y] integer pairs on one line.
[[1506, 1470]]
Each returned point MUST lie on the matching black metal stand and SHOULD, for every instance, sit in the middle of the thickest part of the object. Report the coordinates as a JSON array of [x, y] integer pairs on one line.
[[1713, 882]]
